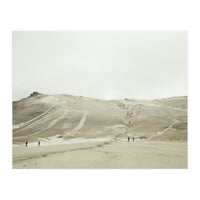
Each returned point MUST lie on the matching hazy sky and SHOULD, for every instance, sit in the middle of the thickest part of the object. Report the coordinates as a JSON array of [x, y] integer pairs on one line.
[[101, 64]]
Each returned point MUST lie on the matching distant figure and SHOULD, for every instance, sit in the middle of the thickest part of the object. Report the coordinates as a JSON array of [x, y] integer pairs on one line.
[[39, 143], [133, 139], [128, 139], [26, 144]]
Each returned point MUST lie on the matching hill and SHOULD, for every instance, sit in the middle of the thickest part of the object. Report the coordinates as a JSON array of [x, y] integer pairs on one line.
[[59, 118]]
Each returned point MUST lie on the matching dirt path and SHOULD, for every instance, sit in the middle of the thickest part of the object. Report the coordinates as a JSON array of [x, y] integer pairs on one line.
[[162, 132], [82, 121]]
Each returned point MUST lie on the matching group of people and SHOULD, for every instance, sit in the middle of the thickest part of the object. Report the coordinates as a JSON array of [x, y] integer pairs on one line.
[[129, 139], [26, 143]]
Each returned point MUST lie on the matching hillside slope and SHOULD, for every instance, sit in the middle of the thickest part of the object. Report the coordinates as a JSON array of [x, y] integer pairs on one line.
[[45, 117]]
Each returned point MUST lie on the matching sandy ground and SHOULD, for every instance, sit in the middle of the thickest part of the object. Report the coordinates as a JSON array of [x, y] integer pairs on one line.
[[103, 155]]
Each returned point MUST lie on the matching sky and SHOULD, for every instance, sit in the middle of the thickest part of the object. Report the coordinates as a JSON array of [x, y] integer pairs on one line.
[[100, 64]]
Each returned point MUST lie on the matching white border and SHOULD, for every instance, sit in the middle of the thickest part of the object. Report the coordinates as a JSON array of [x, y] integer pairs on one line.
[[99, 15]]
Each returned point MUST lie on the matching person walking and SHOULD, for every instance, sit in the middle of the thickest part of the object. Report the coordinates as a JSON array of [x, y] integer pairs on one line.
[[39, 143], [128, 139], [26, 144]]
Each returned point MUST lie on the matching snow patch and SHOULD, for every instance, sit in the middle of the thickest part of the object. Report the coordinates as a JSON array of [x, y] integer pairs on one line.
[[16, 145], [52, 141], [15, 126]]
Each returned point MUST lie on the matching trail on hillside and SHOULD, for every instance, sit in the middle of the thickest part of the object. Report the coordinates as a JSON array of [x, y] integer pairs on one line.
[[24, 125], [66, 116], [52, 123], [161, 132], [81, 122], [79, 126]]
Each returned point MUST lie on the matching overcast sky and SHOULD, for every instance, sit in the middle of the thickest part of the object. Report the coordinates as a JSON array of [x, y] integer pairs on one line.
[[100, 64]]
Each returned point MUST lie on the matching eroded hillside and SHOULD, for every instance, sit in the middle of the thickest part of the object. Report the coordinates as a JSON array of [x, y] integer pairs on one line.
[[42, 116]]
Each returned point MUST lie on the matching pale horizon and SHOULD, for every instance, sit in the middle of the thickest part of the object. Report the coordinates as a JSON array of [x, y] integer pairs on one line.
[[100, 98]]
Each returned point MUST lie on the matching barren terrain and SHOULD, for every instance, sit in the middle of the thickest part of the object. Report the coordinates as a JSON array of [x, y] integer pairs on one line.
[[79, 132], [94, 155]]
